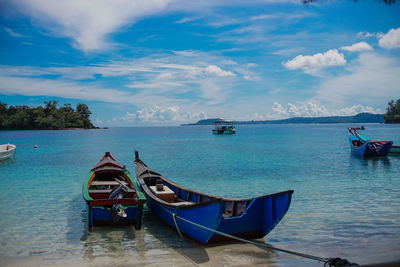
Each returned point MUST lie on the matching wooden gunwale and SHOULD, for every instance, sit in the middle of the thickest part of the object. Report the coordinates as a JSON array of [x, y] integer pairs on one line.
[[199, 193], [124, 201]]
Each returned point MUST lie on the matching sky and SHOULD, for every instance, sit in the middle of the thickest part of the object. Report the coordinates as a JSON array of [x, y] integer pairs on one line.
[[167, 62]]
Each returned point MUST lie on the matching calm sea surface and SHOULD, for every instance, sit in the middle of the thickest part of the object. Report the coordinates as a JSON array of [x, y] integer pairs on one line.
[[342, 205]]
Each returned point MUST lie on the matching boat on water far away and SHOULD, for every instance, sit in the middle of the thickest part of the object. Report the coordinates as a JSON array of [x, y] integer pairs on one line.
[[224, 127], [6, 151], [394, 150], [246, 218], [364, 147], [111, 195]]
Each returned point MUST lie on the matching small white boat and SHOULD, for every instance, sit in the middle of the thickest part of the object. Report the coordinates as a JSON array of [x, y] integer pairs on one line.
[[6, 151]]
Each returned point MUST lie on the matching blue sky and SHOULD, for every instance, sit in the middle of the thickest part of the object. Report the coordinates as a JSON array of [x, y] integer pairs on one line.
[[166, 62]]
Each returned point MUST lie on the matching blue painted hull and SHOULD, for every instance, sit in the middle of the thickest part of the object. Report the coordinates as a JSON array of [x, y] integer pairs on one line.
[[260, 217], [248, 218], [99, 216], [208, 215], [367, 150]]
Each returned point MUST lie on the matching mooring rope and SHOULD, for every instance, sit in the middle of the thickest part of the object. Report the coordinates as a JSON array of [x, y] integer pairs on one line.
[[174, 218], [338, 262]]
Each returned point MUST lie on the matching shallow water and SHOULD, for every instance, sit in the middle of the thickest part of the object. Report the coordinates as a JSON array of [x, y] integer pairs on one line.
[[342, 206]]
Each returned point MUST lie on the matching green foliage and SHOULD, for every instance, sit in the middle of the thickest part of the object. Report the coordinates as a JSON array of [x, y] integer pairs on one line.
[[392, 114], [46, 117]]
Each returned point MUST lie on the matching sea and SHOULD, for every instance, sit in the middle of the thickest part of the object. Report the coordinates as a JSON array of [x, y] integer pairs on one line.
[[342, 206]]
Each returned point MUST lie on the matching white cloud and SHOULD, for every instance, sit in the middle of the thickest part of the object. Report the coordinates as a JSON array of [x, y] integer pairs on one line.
[[186, 53], [157, 113], [312, 109], [361, 46], [88, 22], [390, 40], [314, 63], [283, 16], [370, 84], [13, 33], [369, 35], [193, 80], [229, 62], [215, 70]]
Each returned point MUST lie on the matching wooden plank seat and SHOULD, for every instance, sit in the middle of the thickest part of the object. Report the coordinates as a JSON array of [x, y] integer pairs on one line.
[[106, 191], [107, 183], [182, 203]]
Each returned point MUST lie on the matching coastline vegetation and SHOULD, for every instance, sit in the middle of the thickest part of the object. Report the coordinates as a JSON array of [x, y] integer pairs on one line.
[[44, 117], [392, 114]]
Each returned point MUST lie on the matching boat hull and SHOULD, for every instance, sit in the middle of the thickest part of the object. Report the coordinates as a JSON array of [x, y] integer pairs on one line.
[[368, 150], [395, 150], [208, 215], [100, 216], [223, 132], [261, 216], [6, 151]]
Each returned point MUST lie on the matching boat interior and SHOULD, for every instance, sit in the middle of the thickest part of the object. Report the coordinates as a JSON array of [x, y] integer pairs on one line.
[[176, 195], [104, 183], [357, 143]]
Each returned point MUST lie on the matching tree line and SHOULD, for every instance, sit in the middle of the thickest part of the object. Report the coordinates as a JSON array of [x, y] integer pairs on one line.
[[392, 114], [47, 116]]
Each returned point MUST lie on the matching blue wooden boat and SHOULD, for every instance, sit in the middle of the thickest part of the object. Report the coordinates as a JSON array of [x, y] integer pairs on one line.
[[111, 195], [246, 218], [364, 147]]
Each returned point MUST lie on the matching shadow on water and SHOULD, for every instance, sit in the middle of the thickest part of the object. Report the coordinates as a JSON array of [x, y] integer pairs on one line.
[[76, 220], [9, 161], [168, 237], [110, 241], [118, 242], [199, 253]]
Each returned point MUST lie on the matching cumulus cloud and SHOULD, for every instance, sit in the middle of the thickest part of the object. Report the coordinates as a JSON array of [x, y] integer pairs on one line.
[[366, 83], [215, 70], [312, 109], [314, 63], [88, 22], [361, 46], [390, 40], [155, 114]]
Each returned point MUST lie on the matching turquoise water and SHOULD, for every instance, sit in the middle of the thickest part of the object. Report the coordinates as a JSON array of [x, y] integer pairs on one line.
[[342, 205]]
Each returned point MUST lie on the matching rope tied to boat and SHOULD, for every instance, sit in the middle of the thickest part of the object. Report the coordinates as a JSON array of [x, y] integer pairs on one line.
[[328, 262], [174, 216]]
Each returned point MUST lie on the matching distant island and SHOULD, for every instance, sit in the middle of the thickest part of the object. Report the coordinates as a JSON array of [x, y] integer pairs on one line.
[[359, 118], [47, 117]]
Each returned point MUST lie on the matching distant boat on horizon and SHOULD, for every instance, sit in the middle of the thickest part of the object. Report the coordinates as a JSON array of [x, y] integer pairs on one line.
[[224, 127]]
